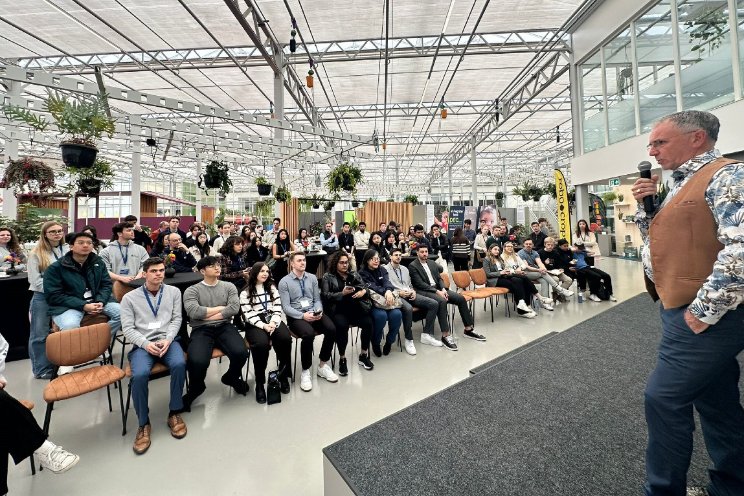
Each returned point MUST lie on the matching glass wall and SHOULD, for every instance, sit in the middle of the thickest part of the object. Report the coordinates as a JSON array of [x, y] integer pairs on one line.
[[620, 91], [592, 103]]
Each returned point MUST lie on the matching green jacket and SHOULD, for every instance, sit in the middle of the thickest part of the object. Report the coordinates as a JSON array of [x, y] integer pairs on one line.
[[65, 283]]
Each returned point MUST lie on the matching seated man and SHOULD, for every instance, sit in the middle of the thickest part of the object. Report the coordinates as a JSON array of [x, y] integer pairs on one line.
[[536, 271], [420, 239], [124, 258], [184, 261], [150, 319], [21, 436], [554, 262], [172, 227], [537, 236], [78, 284], [425, 279], [328, 239], [211, 305], [225, 231], [401, 280], [301, 302]]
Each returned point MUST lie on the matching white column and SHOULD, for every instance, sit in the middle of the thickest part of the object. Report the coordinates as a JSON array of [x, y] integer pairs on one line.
[[10, 202], [449, 179], [582, 201], [136, 169], [198, 190], [396, 190], [279, 112], [474, 171]]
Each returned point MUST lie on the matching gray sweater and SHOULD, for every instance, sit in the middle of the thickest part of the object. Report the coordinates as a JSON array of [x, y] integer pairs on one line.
[[113, 257], [136, 316], [199, 297]]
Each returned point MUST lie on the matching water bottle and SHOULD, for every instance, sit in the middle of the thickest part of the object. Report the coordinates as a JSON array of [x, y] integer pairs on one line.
[[581, 297]]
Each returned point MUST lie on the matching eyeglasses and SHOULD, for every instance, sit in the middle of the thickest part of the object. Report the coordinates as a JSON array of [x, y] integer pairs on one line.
[[56, 231], [656, 144]]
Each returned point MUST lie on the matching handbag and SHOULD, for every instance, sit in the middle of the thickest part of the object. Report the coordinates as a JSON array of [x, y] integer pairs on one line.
[[273, 388], [379, 301]]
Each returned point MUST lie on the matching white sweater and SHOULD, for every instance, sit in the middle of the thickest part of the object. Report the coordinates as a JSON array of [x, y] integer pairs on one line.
[[252, 310]]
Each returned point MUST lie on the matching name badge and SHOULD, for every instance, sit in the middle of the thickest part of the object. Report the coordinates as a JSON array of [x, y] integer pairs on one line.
[[87, 295], [153, 325], [124, 271], [305, 303]]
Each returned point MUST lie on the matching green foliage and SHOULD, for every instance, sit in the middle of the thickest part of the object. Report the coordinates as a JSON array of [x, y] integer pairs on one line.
[[282, 194], [265, 208], [412, 199], [525, 190], [26, 175], [261, 180], [315, 229], [101, 171], [216, 176], [707, 30], [609, 197], [550, 190], [344, 177], [30, 219]]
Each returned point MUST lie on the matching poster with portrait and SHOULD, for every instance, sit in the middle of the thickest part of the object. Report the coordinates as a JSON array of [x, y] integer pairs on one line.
[[487, 216]]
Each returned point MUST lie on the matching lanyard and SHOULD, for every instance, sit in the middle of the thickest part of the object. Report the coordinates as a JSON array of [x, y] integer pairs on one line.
[[55, 253], [399, 273], [154, 309], [124, 253], [302, 285], [265, 302]]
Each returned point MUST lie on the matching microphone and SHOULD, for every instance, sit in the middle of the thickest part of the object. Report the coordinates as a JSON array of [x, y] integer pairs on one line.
[[648, 201]]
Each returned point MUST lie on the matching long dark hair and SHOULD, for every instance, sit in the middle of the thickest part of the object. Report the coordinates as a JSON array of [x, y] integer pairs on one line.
[[253, 280], [578, 229], [13, 245], [94, 232], [204, 248], [368, 256], [278, 241]]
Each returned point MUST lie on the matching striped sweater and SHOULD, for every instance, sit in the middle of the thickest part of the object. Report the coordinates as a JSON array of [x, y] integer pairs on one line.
[[253, 308]]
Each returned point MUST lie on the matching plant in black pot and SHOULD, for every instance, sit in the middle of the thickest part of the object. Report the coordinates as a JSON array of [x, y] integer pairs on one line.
[[500, 199], [282, 194], [524, 190], [344, 177], [536, 193], [315, 199], [216, 176], [28, 176], [264, 188], [81, 120], [90, 181], [412, 199]]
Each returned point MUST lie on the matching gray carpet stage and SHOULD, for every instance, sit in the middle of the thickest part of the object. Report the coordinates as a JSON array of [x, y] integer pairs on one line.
[[563, 417]]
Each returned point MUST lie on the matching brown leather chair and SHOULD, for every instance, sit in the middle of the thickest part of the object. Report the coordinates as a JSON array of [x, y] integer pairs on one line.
[[478, 276], [84, 345], [120, 289], [463, 282], [158, 370]]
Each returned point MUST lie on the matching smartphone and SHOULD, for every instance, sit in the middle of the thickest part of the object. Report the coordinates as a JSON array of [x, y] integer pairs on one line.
[[317, 312]]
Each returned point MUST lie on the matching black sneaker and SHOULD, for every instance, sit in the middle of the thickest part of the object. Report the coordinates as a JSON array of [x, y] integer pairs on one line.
[[343, 369], [474, 335], [449, 343], [260, 394], [365, 362], [376, 349], [386, 348], [284, 383], [238, 384]]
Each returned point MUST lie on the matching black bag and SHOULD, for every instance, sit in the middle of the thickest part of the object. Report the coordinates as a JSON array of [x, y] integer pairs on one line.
[[273, 388], [602, 292]]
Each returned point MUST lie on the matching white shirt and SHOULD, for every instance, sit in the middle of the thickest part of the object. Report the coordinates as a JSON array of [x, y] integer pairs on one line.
[[428, 273]]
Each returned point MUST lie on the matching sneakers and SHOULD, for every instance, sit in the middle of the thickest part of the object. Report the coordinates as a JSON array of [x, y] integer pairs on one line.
[[409, 347], [326, 373], [523, 306], [306, 382], [430, 340], [177, 426], [386, 348], [612, 298], [565, 292], [58, 460], [546, 303], [376, 349], [365, 362], [64, 369], [594, 297], [449, 343], [343, 368], [474, 335], [528, 315], [697, 491]]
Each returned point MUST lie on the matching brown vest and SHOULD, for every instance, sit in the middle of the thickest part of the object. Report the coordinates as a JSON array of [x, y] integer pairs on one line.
[[684, 240]]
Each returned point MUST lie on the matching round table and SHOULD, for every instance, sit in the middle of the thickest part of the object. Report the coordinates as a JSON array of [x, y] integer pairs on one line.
[[15, 326]]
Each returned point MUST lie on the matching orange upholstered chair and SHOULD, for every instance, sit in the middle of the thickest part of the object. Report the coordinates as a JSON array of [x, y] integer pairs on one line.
[[478, 276]]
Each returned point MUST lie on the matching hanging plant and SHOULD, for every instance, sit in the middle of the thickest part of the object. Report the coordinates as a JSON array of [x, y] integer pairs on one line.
[[315, 200], [216, 176], [315, 229], [536, 193], [500, 199], [89, 181], [282, 194], [355, 204], [265, 208], [264, 188], [525, 190], [28, 176], [82, 122], [412, 199], [309, 78], [344, 177], [328, 206]]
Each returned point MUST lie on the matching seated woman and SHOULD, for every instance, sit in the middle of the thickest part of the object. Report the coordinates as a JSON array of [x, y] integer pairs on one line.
[[232, 261], [375, 244], [554, 263], [515, 263], [402, 242], [376, 279], [594, 276], [499, 276], [245, 234], [346, 302], [256, 252], [9, 244], [262, 312], [390, 242], [303, 240], [98, 245], [200, 247], [280, 252]]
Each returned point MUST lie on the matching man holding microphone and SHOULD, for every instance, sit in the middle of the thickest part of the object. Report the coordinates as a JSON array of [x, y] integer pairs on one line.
[[701, 288]]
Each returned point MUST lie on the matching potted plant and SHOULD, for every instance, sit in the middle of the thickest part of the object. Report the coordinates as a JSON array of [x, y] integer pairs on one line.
[[536, 193], [344, 177], [309, 78], [328, 206], [412, 199], [90, 181], [620, 197], [355, 203], [525, 190], [609, 197], [216, 176], [28, 176], [264, 188], [264, 208], [499, 199], [170, 259], [282, 194], [83, 121]]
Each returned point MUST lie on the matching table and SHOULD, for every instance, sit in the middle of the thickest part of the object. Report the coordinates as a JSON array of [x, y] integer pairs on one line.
[[14, 325], [316, 263]]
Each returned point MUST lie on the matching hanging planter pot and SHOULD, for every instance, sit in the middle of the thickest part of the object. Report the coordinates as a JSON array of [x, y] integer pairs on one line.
[[443, 113], [90, 187], [264, 189], [78, 155], [211, 181], [309, 78], [355, 204]]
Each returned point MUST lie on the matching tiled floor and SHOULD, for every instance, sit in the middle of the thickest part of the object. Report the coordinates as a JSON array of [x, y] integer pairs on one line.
[[235, 446]]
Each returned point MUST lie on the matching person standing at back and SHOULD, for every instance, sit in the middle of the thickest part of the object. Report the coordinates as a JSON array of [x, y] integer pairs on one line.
[[701, 288], [124, 258]]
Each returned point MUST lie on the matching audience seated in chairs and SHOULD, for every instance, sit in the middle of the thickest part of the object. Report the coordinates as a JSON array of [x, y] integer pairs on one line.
[[361, 237], [262, 312], [376, 244], [553, 261], [439, 247], [184, 260], [140, 237], [301, 302], [346, 243], [376, 279], [200, 248], [420, 239], [346, 301], [210, 306], [9, 244], [536, 271], [498, 275], [515, 263], [328, 239], [256, 252], [150, 319], [595, 277], [480, 246], [281, 250], [234, 268], [537, 236], [303, 240], [122, 257], [161, 242], [225, 232]]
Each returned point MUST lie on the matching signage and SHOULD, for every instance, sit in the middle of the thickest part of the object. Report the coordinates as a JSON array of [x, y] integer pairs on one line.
[[615, 181], [456, 219], [563, 209]]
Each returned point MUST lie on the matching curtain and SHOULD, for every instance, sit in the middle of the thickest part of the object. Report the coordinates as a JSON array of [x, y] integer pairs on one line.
[[373, 213], [290, 215]]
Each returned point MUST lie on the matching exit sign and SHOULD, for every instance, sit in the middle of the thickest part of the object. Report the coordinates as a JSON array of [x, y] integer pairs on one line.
[[614, 181]]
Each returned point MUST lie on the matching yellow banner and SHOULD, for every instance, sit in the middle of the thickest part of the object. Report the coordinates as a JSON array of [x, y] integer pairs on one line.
[[564, 210]]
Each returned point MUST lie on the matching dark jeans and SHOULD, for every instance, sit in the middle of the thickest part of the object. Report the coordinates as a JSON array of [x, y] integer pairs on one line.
[[343, 320], [392, 318], [700, 371], [306, 332], [261, 342], [203, 340], [20, 435], [521, 287], [141, 363], [423, 303], [593, 276], [453, 299]]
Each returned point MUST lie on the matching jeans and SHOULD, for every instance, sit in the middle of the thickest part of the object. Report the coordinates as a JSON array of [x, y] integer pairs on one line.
[[700, 371], [40, 323], [141, 363], [393, 318], [70, 319]]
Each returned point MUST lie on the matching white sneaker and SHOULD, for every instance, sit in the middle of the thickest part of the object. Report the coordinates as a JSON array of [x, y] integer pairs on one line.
[[528, 315], [523, 306], [65, 369], [58, 460], [594, 297], [410, 348], [306, 381], [429, 339], [612, 298], [547, 305], [327, 373], [565, 292]]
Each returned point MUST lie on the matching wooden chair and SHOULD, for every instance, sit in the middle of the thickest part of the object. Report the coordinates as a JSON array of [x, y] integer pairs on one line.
[[84, 345], [478, 276], [463, 282]]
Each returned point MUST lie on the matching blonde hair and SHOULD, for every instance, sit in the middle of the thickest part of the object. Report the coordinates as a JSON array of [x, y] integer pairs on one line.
[[549, 238], [43, 249]]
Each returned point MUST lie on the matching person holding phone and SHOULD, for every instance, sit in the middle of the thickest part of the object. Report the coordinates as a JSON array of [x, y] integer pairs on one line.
[[300, 295]]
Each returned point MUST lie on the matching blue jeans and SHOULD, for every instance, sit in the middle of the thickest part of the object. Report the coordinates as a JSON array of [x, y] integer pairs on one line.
[[141, 363], [70, 319], [393, 318], [700, 371], [40, 324]]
